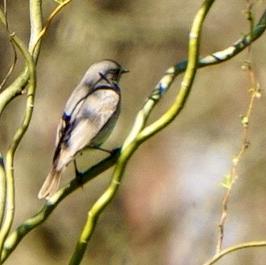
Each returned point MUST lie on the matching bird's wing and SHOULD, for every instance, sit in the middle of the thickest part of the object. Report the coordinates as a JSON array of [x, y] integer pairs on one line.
[[75, 101], [60, 130], [79, 94], [95, 112]]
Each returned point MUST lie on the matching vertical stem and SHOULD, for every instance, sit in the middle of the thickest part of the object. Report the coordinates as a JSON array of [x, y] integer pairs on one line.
[[244, 134], [27, 77], [9, 195], [35, 27], [101, 203], [133, 140], [20, 82], [10, 187], [184, 91]]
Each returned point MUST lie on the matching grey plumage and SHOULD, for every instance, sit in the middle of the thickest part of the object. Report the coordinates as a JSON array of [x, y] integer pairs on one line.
[[89, 117]]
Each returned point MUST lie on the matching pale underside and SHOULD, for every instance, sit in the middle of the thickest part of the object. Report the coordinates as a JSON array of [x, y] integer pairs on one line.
[[95, 118]]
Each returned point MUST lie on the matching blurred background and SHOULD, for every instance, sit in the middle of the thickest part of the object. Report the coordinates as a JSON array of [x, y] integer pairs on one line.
[[169, 203]]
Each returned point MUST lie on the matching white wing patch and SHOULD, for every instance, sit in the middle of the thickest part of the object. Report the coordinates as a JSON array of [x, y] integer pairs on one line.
[[94, 114]]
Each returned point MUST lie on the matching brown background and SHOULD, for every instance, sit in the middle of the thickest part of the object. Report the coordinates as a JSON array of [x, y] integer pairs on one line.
[[169, 203]]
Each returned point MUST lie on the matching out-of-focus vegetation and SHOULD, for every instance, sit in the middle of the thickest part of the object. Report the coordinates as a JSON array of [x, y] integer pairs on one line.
[[169, 203]]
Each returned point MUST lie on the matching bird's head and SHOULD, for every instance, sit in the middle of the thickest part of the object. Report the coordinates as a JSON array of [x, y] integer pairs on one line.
[[106, 71]]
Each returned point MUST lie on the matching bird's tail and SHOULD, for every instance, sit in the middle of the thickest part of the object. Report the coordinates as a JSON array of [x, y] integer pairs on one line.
[[50, 185]]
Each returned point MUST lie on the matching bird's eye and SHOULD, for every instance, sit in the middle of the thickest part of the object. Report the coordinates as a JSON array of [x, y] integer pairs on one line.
[[113, 71]]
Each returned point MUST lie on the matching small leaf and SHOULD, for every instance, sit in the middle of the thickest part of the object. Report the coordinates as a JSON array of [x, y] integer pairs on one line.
[[228, 181], [244, 121]]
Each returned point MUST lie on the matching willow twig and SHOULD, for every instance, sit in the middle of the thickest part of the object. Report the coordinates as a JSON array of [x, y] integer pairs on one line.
[[12, 66], [10, 198], [15, 89], [15, 237], [132, 142], [213, 59], [9, 192], [47, 24], [232, 176], [226, 251], [218, 57], [35, 27]]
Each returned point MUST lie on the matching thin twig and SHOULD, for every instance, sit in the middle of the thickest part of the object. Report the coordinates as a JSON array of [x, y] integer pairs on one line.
[[132, 142], [215, 58], [48, 22], [35, 7], [10, 196], [15, 89], [31, 59], [226, 251], [9, 192], [15, 237], [14, 61], [245, 141], [218, 57]]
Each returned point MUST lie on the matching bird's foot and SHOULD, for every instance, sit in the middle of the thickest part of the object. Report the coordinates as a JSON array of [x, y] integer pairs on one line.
[[110, 152], [78, 174]]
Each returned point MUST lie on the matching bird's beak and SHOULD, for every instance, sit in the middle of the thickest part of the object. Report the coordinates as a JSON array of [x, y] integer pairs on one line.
[[124, 70]]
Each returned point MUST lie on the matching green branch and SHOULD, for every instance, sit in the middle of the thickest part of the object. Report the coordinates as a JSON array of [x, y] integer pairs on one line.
[[12, 91], [213, 59], [9, 185], [35, 27], [218, 57], [132, 143], [20, 82], [101, 203], [41, 33], [4, 19], [226, 251], [10, 197], [15, 237]]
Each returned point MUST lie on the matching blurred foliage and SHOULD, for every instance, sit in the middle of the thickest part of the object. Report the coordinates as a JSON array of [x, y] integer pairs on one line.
[[168, 207]]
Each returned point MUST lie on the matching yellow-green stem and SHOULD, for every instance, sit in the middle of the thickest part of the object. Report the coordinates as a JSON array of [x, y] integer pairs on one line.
[[133, 140], [235, 248], [10, 196]]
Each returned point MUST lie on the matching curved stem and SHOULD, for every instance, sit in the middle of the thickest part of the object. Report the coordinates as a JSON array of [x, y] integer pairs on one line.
[[4, 19], [133, 142], [35, 27], [36, 43], [101, 203], [15, 89], [218, 57], [10, 196], [172, 72], [15, 237], [235, 248]]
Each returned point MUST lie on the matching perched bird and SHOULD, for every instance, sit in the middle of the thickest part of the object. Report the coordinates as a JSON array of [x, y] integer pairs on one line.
[[89, 117]]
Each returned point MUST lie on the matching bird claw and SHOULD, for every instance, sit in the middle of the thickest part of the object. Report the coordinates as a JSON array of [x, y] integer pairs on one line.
[[110, 152], [78, 174]]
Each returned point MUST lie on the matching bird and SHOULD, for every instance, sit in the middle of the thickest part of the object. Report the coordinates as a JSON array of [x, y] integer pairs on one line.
[[89, 117]]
